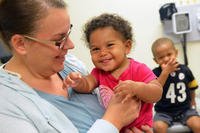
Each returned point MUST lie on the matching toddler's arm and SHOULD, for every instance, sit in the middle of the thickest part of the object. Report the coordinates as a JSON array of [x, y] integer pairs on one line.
[[147, 92], [145, 129]]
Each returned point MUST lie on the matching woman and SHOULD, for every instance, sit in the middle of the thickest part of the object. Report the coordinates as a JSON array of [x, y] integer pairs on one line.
[[32, 95]]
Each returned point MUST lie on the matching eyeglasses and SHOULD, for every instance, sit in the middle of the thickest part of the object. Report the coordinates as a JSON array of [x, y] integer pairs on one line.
[[59, 44]]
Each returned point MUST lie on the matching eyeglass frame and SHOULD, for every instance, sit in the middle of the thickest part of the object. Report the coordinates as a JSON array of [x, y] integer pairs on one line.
[[59, 43]]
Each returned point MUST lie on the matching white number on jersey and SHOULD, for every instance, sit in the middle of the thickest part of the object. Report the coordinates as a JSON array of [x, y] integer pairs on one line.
[[172, 95]]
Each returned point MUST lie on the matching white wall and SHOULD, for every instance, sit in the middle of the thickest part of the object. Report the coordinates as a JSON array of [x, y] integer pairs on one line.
[[144, 16]]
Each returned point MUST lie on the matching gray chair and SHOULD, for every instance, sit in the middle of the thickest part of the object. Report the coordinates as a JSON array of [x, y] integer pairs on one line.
[[5, 55], [178, 128]]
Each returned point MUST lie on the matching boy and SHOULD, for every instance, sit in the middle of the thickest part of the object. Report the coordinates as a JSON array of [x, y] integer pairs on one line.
[[178, 99]]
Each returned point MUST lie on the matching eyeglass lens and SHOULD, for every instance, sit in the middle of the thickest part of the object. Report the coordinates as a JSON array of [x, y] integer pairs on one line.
[[61, 43]]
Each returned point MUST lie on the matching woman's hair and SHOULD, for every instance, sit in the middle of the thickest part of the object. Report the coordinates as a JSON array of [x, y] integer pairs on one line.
[[105, 20], [21, 16]]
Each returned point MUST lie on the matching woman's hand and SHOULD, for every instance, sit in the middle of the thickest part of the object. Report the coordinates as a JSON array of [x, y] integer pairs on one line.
[[121, 113]]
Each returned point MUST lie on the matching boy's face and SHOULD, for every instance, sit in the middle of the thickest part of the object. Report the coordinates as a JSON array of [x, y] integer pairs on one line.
[[164, 52]]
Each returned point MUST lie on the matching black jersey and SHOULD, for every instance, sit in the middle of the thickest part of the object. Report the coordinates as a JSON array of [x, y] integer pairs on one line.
[[176, 91]]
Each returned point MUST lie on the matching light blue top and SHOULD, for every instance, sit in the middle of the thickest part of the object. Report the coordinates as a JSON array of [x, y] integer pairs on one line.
[[23, 110]]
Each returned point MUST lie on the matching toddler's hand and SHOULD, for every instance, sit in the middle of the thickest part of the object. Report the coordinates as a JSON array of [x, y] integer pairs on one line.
[[127, 87], [145, 129], [73, 79]]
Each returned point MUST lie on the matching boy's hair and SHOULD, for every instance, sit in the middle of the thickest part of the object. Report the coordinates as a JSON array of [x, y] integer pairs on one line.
[[105, 20], [159, 42]]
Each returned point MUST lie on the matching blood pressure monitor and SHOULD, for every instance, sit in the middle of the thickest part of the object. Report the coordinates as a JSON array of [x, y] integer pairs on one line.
[[181, 23]]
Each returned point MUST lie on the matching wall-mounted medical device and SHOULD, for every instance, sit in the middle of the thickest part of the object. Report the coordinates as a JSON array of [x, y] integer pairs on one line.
[[181, 23], [181, 19]]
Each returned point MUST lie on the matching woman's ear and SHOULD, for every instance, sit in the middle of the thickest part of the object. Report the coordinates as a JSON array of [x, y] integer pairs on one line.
[[128, 45], [18, 44]]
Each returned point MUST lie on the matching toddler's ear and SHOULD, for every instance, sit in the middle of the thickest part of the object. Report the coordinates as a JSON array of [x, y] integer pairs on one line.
[[128, 45]]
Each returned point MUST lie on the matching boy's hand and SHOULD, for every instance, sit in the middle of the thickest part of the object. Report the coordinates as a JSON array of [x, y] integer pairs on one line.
[[170, 66], [73, 79]]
